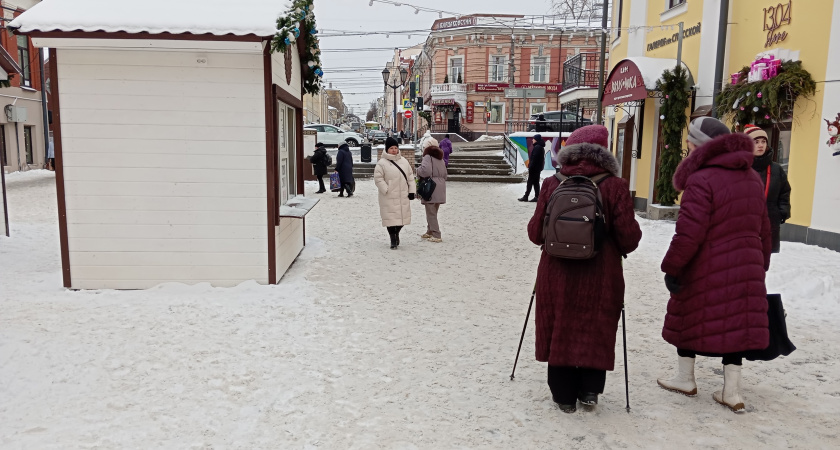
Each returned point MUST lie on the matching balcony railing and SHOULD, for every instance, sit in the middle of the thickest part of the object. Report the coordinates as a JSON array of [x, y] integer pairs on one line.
[[449, 88], [581, 70]]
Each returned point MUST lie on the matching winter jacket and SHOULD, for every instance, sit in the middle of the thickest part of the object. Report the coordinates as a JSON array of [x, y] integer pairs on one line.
[[319, 161], [344, 164], [778, 196], [394, 205], [720, 251], [433, 166], [579, 301], [446, 146], [536, 161]]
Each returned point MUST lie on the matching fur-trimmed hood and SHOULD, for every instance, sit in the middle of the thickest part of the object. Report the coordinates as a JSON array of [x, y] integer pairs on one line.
[[587, 159], [433, 151], [730, 151]]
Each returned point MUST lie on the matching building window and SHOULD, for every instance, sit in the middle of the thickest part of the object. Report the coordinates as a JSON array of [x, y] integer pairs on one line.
[[539, 69], [497, 68], [497, 113], [674, 3], [27, 142], [537, 108], [618, 17], [456, 68], [23, 59]]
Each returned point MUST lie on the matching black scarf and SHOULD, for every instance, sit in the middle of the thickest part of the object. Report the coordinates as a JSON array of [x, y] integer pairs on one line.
[[760, 163]]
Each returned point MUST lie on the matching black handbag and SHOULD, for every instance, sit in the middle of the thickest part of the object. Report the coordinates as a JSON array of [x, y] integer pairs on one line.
[[426, 186], [780, 344]]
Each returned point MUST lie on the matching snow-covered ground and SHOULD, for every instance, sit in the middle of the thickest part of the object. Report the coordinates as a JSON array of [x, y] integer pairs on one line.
[[360, 346]]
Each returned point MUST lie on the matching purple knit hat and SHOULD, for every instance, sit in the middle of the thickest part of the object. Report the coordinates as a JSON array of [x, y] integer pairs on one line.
[[590, 134]]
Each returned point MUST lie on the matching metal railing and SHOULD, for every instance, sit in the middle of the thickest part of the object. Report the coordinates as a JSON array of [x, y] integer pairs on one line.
[[449, 88], [581, 70], [511, 152]]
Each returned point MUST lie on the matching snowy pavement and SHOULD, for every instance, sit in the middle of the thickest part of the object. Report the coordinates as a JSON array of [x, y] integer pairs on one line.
[[360, 346]]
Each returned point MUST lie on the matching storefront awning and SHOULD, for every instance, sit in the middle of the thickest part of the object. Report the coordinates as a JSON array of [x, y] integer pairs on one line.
[[632, 78], [443, 102]]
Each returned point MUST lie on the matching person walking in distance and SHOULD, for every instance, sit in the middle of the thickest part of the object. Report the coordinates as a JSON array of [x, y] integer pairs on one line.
[[391, 176], [320, 160], [344, 167], [716, 263], [446, 146], [536, 162], [579, 301], [433, 166], [775, 180]]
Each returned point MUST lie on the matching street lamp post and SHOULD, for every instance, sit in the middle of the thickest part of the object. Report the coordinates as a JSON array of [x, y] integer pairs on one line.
[[386, 74]]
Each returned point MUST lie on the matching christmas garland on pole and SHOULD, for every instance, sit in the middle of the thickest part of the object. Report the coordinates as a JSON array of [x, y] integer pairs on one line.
[[299, 25], [674, 88]]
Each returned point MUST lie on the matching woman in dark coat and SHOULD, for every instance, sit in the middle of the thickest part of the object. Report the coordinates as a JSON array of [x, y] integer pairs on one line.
[[344, 167], [433, 166], [579, 302], [716, 264], [778, 193], [536, 162], [320, 160]]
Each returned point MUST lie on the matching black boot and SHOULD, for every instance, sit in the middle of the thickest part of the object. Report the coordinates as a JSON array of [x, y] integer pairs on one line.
[[397, 236], [523, 199], [393, 238], [588, 398]]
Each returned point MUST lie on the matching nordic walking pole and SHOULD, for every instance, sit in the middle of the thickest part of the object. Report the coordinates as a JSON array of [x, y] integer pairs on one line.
[[626, 376], [523, 331]]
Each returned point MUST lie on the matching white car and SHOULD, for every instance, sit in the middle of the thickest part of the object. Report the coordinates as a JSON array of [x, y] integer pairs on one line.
[[332, 135]]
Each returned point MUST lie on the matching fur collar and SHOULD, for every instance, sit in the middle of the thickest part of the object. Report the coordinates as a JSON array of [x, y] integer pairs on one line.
[[730, 151], [434, 152], [587, 159]]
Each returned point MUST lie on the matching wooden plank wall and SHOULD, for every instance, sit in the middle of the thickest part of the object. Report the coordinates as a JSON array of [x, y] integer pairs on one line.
[[164, 162]]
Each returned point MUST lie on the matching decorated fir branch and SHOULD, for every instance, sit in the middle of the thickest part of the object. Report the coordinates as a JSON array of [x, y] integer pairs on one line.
[[674, 88], [766, 101], [299, 25]]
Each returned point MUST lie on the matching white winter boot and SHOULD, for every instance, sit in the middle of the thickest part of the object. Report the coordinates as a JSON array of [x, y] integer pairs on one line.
[[684, 382], [730, 396]]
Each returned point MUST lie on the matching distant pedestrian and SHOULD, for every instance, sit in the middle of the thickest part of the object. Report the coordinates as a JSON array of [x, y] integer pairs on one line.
[[320, 160], [446, 146], [344, 167], [716, 264], [542, 125], [403, 137], [775, 180], [536, 163], [579, 302], [433, 166], [394, 180]]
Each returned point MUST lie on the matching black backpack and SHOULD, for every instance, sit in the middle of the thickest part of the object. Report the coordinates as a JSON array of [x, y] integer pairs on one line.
[[575, 225]]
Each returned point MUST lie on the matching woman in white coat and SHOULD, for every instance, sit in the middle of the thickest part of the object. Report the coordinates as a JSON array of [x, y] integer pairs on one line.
[[394, 179]]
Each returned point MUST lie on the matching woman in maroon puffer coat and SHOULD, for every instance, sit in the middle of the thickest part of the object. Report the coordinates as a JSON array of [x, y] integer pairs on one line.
[[716, 264], [579, 302]]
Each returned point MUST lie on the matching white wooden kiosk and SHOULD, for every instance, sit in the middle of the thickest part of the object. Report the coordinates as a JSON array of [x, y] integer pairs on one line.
[[178, 138]]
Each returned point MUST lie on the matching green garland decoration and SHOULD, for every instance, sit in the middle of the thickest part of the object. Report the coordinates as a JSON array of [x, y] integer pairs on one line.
[[764, 102], [428, 116], [674, 88], [299, 24]]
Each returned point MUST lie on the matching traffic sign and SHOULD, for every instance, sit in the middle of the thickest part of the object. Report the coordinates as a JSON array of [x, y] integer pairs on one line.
[[408, 114], [407, 104]]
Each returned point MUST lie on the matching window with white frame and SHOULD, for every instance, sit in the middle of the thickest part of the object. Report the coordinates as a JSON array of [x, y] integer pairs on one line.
[[497, 113], [456, 68], [537, 108], [539, 69], [497, 68]]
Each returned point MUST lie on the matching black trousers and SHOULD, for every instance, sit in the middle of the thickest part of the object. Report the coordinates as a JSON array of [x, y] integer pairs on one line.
[[728, 358], [394, 230], [321, 183], [349, 187], [533, 181], [567, 382]]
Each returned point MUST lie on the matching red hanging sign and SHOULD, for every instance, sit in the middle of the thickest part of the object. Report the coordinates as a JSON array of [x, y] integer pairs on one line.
[[470, 112], [438, 118]]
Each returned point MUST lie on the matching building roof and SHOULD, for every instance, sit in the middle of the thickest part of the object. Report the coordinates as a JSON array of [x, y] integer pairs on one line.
[[216, 17]]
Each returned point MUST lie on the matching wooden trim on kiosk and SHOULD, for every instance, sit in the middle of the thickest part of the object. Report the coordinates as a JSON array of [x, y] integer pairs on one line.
[[59, 170], [271, 164], [3, 188]]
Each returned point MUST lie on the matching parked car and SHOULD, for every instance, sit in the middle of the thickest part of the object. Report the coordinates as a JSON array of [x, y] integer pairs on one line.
[[332, 135], [557, 121], [378, 137]]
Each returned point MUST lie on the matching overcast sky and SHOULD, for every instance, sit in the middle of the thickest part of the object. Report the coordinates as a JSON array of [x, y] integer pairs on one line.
[[358, 73]]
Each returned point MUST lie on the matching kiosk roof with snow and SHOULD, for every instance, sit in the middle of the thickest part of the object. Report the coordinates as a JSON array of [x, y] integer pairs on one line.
[[178, 137]]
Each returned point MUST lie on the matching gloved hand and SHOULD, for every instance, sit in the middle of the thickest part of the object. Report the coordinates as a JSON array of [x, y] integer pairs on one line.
[[411, 196], [672, 284]]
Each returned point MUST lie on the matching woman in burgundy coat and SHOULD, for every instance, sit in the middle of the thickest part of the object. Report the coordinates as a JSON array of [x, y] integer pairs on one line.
[[717, 260], [579, 302]]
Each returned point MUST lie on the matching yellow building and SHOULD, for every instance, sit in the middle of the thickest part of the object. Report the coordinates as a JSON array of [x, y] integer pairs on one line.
[[645, 42]]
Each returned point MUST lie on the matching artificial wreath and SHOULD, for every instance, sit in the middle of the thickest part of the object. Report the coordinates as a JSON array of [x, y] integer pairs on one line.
[[767, 101], [674, 88], [299, 24]]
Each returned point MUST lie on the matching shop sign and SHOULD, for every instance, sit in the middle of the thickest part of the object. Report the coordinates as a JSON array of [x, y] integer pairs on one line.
[[500, 87], [774, 18], [624, 84], [688, 32], [470, 112], [449, 24]]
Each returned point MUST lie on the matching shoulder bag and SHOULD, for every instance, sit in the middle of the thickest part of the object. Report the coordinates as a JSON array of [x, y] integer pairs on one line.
[[426, 186]]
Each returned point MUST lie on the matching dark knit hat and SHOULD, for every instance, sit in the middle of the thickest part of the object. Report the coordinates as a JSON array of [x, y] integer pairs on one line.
[[590, 134], [754, 132], [704, 129], [391, 142], [538, 138]]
